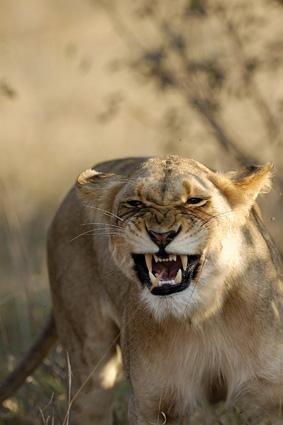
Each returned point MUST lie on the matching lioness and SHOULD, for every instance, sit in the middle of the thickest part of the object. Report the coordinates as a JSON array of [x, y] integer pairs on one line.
[[170, 261]]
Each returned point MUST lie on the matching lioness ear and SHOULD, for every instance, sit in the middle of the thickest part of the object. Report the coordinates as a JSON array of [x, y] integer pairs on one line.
[[242, 187], [90, 182], [90, 175]]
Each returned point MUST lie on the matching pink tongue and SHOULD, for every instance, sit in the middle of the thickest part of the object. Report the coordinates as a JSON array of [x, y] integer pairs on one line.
[[165, 271]]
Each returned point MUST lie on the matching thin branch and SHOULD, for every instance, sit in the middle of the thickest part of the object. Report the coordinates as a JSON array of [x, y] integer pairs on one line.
[[271, 125]]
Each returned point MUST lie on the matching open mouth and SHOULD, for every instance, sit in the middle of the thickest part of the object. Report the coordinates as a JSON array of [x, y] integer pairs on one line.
[[166, 274]]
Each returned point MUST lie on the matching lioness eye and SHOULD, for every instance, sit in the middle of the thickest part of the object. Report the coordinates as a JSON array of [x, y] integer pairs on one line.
[[134, 203], [196, 201]]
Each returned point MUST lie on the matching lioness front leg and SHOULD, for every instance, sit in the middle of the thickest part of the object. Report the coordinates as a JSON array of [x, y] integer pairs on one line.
[[140, 414], [94, 370], [95, 364], [93, 392], [84, 321]]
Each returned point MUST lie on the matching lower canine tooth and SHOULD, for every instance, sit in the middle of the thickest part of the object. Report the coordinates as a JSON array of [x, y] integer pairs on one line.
[[148, 260], [153, 279], [178, 278], [184, 260]]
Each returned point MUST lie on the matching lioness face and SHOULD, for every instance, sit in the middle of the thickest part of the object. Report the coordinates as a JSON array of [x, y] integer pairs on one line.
[[169, 214], [175, 234]]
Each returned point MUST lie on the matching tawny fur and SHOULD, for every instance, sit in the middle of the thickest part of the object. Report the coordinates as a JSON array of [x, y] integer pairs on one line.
[[221, 338]]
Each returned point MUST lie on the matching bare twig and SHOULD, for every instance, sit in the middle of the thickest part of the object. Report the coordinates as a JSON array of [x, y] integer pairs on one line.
[[271, 125]]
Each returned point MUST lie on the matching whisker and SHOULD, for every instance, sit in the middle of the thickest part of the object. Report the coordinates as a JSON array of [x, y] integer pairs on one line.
[[102, 227], [93, 232], [102, 224], [98, 235], [216, 216], [105, 212]]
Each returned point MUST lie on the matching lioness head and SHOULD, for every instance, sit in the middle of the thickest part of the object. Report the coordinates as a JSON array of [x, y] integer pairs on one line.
[[174, 228]]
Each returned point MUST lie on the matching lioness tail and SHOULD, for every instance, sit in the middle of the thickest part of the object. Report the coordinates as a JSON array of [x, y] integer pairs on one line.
[[31, 360]]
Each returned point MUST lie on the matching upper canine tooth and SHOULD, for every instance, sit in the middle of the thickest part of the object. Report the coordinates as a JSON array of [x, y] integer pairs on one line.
[[153, 279], [155, 258], [184, 259], [148, 260], [178, 278]]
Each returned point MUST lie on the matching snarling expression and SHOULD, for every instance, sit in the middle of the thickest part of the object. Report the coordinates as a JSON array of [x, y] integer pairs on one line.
[[174, 228], [167, 219]]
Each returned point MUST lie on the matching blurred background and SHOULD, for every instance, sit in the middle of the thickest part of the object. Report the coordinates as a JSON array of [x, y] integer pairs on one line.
[[82, 81]]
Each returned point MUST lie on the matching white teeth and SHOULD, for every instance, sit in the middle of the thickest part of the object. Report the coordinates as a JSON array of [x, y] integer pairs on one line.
[[162, 260], [184, 259], [178, 278], [153, 279], [148, 260], [166, 282]]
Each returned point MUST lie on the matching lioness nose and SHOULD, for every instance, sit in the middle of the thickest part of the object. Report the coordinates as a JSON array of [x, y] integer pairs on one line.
[[162, 239]]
